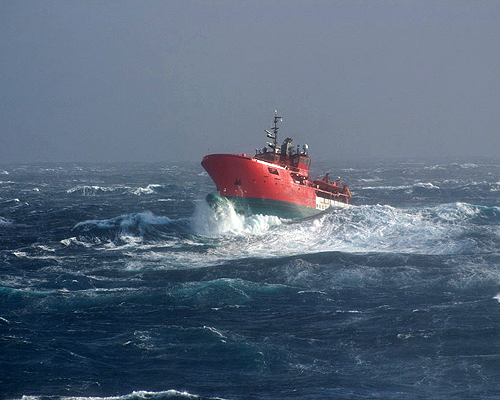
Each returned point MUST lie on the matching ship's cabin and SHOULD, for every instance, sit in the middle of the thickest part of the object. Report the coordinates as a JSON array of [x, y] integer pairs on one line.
[[301, 161], [285, 155]]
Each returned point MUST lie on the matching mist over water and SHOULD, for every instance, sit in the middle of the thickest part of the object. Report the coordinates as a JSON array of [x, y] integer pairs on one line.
[[119, 280]]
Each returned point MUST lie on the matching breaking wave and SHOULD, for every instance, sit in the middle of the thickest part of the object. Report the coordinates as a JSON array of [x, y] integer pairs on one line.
[[418, 185], [136, 395], [96, 190], [210, 237], [143, 226]]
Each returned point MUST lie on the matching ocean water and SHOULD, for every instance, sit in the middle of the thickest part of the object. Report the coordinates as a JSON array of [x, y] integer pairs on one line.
[[118, 281]]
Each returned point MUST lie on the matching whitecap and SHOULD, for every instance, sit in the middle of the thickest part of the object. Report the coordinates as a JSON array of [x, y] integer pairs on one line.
[[369, 180], [75, 241], [436, 167], [150, 189], [213, 330], [134, 266], [468, 165], [45, 248], [456, 212], [427, 185], [125, 221], [135, 395], [399, 187], [93, 190]]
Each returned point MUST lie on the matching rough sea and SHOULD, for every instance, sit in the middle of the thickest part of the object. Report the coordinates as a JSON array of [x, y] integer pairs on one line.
[[117, 281]]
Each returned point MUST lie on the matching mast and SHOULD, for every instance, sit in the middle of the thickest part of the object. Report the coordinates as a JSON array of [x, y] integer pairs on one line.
[[274, 134]]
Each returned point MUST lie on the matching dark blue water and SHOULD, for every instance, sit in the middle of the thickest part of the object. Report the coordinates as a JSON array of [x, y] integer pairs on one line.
[[118, 281]]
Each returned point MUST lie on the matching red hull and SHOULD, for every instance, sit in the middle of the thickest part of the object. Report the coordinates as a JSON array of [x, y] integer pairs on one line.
[[243, 177]]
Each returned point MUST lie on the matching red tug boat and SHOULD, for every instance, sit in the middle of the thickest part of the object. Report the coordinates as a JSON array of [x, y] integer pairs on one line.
[[275, 181]]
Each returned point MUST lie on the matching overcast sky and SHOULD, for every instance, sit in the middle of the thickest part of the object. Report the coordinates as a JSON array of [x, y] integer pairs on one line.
[[173, 80]]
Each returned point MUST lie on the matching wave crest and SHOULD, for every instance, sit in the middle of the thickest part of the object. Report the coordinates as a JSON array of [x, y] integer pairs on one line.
[[136, 395], [210, 237], [123, 229]]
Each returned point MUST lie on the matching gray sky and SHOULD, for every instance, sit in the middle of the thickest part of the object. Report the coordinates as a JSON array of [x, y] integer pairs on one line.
[[173, 80]]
